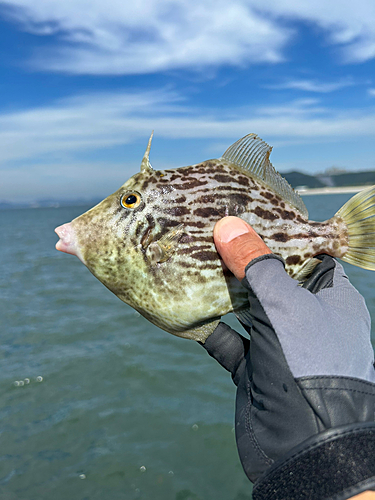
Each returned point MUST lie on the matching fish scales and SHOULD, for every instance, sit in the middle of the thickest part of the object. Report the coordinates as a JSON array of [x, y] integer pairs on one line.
[[279, 224], [151, 242]]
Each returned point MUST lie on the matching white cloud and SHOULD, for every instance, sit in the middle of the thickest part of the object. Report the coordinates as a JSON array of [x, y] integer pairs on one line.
[[371, 92], [83, 124], [60, 150], [116, 37], [313, 85], [346, 24]]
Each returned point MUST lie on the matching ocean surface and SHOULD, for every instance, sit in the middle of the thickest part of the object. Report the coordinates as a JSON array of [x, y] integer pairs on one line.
[[98, 404]]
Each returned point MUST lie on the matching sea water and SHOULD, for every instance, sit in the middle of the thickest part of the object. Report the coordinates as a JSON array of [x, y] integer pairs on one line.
[[96, 402]]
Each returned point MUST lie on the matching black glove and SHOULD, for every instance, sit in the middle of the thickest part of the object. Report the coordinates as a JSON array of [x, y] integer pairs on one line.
[[305, 406]]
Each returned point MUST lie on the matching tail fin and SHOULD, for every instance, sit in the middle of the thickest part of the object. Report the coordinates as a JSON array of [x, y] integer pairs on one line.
[[359, 215]]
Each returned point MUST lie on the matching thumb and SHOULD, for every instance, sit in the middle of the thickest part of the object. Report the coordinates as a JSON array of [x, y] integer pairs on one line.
[[238, 244]]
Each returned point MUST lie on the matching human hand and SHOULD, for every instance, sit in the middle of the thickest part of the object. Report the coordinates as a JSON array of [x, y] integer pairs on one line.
[[238, 244], [305, 381]]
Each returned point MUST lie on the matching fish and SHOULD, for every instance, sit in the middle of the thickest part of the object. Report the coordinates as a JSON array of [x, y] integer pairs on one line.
[[151, 242]]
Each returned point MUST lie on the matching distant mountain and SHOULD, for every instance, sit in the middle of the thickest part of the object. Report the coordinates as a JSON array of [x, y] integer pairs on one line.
[[339, 179], [298, 179], [354, 179]]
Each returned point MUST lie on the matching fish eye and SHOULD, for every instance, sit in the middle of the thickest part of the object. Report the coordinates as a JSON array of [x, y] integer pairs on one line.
[[130, 200]]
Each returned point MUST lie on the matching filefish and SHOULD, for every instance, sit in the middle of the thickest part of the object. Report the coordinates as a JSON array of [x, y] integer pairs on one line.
[[151, 242]]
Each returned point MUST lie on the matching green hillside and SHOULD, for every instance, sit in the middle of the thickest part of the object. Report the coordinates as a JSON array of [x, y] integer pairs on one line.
[[298, 179], [354, 179]]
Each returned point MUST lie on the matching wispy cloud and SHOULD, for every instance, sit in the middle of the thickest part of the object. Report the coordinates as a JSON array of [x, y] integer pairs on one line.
[[371, 92], [59, 150], [146, 36], [98, 121], [313, 85], [346, 25], [149, 35]]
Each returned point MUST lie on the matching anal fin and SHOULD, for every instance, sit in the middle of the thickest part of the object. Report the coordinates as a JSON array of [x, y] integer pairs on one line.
[[306, 270]]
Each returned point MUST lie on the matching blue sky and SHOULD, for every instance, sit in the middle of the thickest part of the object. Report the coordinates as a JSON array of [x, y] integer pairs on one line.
[[83, 83]]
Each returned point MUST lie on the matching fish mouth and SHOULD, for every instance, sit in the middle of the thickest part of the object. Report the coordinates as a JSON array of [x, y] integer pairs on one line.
[[68, 241]]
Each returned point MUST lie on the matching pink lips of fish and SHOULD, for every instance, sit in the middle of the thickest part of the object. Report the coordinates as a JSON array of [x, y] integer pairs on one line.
[[68, 242]]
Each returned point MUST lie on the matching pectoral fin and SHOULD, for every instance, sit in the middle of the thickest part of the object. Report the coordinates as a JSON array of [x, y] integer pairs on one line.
[[161, 250]]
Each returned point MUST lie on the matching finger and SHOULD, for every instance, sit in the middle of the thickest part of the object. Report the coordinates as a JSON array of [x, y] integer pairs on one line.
[[238, 244]]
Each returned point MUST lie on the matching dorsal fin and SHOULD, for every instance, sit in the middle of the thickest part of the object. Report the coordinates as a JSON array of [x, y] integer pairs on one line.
[[146, 165], [253, 155]]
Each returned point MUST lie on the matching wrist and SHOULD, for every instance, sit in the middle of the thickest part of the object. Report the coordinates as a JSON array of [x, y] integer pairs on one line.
[[334, 465]]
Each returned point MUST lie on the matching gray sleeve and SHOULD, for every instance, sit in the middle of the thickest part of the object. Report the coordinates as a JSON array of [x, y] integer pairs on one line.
[[277, 410], [322, 334]]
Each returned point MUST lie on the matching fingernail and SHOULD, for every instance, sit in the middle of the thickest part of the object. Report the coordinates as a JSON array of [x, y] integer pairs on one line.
[[231, 228]]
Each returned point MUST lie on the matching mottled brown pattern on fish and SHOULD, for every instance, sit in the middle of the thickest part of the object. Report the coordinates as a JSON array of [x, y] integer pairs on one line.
[[204, 199], [180, 199], [189, 184], [177, 211], [243, 181], [242, 199], [265, 214], [206, 212], [280, 237], [204, 255], [293, 260], [274, 202], [267, 194], [116, 241], [286, 214]]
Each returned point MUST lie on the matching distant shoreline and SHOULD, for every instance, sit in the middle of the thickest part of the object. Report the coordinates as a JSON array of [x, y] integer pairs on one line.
[[330, 190], [75, 203]]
